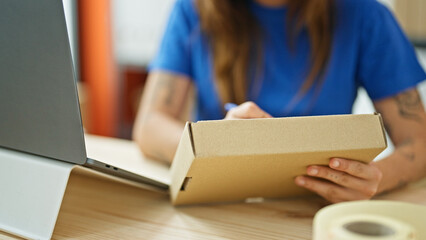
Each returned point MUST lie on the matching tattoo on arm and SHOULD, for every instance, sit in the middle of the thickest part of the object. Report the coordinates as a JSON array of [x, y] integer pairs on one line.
[[166, 84], [408, 155], [409, 105], [405, 149], [401, 184], [406, 142], [170, 91]]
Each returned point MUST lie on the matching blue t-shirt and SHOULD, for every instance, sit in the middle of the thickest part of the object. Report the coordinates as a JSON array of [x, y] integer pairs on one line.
[[368, 49]]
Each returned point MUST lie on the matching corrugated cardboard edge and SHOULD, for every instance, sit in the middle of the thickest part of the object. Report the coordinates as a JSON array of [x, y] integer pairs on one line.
[[180, 169], [383, 128]]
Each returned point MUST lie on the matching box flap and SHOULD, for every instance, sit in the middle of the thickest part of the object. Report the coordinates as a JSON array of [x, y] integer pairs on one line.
[[287, 135], [182, 162]]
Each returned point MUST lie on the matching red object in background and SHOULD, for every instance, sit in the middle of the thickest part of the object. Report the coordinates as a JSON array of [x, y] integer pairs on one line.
[[98, 70], [134, 81]]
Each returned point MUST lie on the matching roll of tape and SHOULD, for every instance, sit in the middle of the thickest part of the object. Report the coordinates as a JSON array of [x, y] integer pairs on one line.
[[371, 220], [367, 226]]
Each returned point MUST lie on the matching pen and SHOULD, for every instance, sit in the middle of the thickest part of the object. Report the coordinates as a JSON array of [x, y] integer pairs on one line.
[[229, 106]]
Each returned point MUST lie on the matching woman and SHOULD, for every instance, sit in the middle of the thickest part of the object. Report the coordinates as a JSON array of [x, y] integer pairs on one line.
[[290, 58]]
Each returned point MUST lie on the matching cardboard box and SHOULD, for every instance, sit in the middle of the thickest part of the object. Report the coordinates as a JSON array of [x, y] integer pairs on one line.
[[233, 160]]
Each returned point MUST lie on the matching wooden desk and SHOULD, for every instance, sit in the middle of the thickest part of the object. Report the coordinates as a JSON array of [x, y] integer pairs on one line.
[[96, 207]]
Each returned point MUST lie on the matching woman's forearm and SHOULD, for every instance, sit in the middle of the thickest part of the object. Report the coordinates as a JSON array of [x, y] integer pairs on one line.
[[158, 136], [406, 164], [404, 118], [158, 127]]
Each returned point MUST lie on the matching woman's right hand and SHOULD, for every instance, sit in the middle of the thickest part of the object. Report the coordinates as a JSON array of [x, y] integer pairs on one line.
[[246, 110]]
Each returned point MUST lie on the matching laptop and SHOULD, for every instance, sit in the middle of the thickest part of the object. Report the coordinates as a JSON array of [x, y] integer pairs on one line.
[[38, 95]]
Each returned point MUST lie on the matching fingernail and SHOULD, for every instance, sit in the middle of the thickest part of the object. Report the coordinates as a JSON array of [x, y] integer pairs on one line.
[[300, 181], [335, 163], [313, 171]]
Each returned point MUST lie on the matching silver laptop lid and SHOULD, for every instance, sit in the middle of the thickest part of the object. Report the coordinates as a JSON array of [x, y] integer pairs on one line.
[[39, 110]]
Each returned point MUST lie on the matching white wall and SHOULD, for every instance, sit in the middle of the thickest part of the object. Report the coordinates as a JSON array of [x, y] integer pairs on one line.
[[138, 28], [389, 3]]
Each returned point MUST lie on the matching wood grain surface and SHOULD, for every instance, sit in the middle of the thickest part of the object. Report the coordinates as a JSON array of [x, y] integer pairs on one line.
[[95, 207]]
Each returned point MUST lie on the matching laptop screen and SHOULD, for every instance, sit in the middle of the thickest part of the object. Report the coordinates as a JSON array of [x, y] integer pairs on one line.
[[38, 99]]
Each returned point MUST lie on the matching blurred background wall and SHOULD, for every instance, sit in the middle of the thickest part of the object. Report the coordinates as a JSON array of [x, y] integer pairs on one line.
[[112, 66]]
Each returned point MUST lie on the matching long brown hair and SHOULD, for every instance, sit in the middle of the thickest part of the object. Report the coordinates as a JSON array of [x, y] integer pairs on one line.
[[235, 40]]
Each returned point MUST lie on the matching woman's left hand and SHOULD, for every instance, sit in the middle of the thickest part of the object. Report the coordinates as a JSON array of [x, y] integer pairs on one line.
[[346, 180]]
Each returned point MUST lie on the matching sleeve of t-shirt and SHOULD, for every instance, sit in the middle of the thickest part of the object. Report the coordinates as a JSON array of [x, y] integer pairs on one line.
[[388, 63], [174, 51]]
